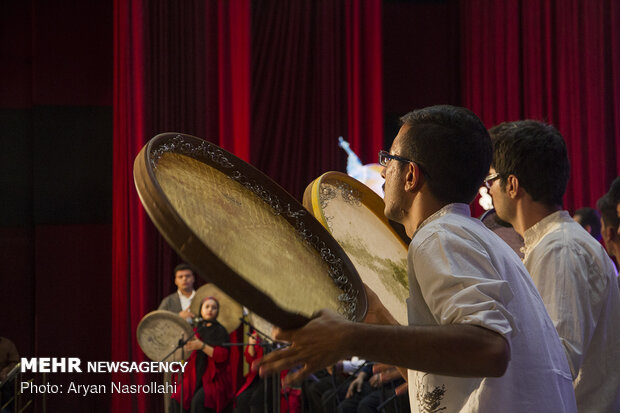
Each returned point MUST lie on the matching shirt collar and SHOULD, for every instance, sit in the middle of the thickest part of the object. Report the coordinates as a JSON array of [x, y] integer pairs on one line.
[[191, 297], [457, 208], [536, 232]]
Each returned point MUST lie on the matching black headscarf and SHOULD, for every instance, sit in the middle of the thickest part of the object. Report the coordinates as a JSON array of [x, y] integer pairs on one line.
[[213, 335]]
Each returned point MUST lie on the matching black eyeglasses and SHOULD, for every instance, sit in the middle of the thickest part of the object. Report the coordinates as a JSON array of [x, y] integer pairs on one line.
[[385, 157], [488, 181]]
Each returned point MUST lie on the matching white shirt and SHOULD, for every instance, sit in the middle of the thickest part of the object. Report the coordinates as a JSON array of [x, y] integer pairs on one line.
[[352, 365], [462, 273], [186, 302], [578, 283]]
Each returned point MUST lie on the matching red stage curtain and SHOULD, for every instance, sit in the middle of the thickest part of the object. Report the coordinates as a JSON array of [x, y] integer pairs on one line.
[[316, 75], [552, 61], [185, 66], [178, 66], [364, 77]]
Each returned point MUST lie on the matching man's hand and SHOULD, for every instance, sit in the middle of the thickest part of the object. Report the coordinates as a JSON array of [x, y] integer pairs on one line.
[[383, 373], [356, 385], [376, 380], [402, 389], [318, 344], [186, 314]]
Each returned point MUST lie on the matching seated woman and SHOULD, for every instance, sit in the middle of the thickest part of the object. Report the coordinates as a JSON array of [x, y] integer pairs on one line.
[[206, 383], [244, 398], [251, 396]]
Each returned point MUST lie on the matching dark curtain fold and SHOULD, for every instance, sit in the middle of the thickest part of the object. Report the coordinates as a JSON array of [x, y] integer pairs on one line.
[[364, 77], [172, 72], [316, 75], [557, 61], [234, 76], [136, 247]]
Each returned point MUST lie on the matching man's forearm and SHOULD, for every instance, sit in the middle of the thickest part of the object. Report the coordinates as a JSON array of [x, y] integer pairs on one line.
[[454, 350]]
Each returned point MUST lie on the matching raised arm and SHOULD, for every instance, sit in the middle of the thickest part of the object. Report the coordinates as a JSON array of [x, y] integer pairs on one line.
[[455, 350]]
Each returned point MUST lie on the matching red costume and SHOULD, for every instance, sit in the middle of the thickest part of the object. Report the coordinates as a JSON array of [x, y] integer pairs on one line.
[[258, 354], [290, 399], [215, 377]]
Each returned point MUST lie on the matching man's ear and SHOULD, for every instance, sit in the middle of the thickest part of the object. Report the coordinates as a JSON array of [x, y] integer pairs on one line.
[[413, 177], [608, 234], [513, 189]]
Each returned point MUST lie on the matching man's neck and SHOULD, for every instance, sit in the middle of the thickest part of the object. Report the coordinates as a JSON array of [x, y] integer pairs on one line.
[[187, 293], [424, 205], [529, 213]]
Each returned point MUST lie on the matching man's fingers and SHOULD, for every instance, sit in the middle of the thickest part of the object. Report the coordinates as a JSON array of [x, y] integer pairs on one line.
[[282, 335], [275, 361], [402, 389], [349, 391], [309, 348]]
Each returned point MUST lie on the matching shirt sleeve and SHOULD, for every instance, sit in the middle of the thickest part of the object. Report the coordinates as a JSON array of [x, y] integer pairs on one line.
[[460, 285], [350, 366], [572, 291], [368, 369]]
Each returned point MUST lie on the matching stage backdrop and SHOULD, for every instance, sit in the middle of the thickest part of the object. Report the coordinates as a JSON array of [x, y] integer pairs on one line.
[[275, 83], [174, 70]]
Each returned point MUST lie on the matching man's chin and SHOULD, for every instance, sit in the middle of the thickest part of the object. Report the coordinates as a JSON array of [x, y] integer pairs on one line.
[[389, 214]]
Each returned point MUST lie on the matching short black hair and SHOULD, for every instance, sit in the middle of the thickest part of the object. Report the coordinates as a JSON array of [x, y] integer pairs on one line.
[[614, 191], [607, 207], [453, 150], [183, 266], [534, 152], [590, 216]]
